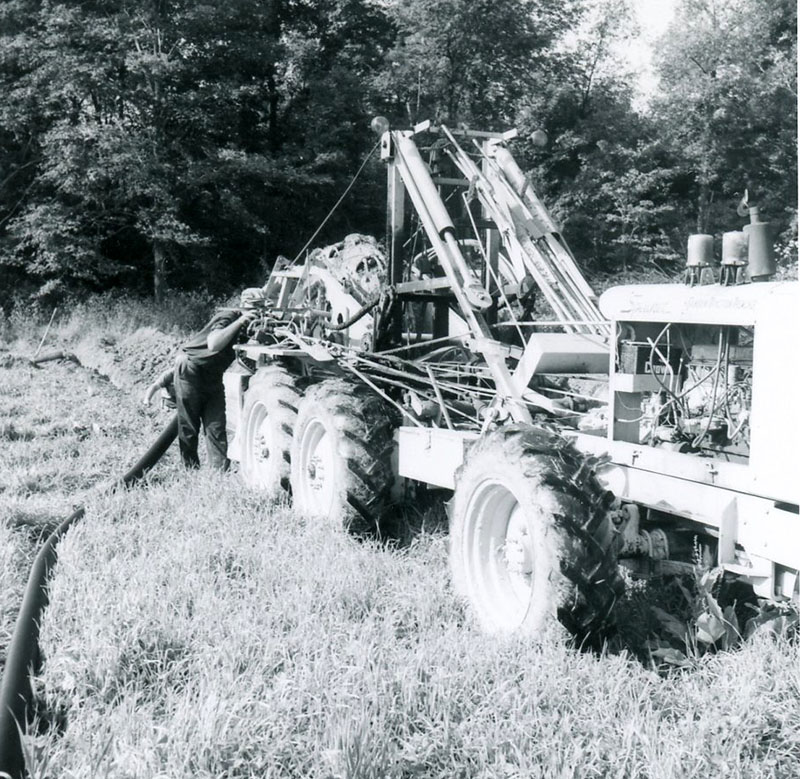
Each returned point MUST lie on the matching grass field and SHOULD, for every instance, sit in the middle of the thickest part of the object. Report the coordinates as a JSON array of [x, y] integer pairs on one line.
[[194, 631]]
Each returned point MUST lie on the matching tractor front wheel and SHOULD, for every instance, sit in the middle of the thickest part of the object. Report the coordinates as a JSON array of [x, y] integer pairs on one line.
[[530, 539]]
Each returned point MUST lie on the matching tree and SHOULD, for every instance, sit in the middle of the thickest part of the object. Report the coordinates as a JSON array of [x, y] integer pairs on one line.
[[120, 91], [605, 174], [729, 104], [470, 60], [178, 139]]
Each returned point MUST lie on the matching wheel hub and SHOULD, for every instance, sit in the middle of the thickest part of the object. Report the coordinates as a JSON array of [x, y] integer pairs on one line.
[[517, 548], [261, 449], [259, 443], [316, 472], [317, 462], [500, 553]]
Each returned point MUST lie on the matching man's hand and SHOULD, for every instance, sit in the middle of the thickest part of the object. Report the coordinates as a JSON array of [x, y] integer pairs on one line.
[[148, 395]]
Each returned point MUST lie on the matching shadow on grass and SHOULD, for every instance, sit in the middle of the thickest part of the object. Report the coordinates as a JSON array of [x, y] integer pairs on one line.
[[422, 512], [36, 524], [11, 432]]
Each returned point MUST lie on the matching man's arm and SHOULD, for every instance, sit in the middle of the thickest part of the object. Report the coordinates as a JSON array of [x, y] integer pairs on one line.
[[161, 382], [218, 339]]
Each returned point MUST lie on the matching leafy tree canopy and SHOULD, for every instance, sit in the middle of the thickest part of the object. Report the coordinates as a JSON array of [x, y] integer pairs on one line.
[[149, 143]]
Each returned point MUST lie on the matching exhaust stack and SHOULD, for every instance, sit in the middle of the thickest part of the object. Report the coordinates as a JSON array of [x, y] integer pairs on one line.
[[761, 265]]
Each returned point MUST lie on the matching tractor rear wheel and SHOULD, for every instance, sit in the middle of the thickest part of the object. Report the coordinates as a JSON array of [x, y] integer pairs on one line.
[[530, 539], [341, 455], [268, 419]]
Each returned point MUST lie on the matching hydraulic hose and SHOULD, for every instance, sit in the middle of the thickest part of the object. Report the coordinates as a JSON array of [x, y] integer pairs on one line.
[[360, 314], [23, 656]]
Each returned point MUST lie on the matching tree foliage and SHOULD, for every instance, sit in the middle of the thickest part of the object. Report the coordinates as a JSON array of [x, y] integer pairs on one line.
[[471, 61], [728, 103], [170, 131], [147, 143], [607, 174]]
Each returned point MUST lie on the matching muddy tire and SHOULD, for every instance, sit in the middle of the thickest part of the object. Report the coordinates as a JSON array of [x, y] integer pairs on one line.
[[268, 420], [530, 540], [341, 455]]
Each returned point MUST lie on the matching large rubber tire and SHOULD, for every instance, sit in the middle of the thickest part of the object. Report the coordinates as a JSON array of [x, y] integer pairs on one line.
[[341, 455], [531, 541], [268, 419]]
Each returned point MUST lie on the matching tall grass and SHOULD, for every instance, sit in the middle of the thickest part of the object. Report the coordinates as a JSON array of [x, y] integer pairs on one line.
[[195, 631], [64, 431], [114, 313], [127, 339]]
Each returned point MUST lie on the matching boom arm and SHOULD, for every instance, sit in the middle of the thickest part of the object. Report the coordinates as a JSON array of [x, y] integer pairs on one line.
[[531, 241], [471, 297], [530, 235]]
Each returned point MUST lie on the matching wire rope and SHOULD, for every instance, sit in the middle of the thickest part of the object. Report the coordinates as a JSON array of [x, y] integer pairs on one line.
[[336, 204]]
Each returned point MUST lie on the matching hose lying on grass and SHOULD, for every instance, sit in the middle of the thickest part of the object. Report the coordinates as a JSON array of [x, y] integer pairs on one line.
[[23, 656], [50, 356]]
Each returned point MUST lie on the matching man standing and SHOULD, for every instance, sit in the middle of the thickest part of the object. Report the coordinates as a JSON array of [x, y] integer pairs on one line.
[[199, 393]]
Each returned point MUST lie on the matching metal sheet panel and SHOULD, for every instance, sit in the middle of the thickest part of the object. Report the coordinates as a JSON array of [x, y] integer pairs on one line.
[[431, 455], [775, 413], [234, 382], [561, 353], [754, 523]]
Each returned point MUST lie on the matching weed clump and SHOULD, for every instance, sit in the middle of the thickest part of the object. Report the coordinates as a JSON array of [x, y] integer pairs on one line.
[[672, 622], [10, 432]]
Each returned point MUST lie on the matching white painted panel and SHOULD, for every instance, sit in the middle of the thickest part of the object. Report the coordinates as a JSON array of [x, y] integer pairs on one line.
[[707, 304], [775, 415], [431, 455]]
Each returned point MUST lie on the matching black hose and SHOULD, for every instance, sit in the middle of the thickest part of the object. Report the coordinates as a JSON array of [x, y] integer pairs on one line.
[[362, 312], [151, 456], [23, 658]]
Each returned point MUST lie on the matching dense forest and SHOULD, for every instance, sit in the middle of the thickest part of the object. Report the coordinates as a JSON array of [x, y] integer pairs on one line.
[[167, 144]]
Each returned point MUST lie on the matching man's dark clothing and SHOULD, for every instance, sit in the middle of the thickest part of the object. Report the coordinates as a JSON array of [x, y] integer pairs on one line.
[[197, 346], [200, 395], [200, 399]]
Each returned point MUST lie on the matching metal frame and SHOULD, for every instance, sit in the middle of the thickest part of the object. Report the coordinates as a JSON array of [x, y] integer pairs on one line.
[[751, 511]]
